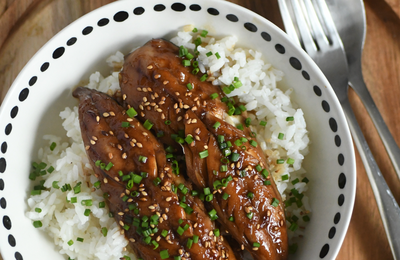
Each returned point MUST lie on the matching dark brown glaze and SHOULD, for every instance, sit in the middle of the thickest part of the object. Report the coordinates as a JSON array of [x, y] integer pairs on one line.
[[107, 141], [154, 82], [267, 225]]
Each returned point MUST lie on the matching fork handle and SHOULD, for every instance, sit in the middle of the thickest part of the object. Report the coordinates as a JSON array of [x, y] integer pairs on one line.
[[387, 205], [393, 150]]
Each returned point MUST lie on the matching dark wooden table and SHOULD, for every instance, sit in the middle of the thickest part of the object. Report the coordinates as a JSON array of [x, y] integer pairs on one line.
[[26, 25]]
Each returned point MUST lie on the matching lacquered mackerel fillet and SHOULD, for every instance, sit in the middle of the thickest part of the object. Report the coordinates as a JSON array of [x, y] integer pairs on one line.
[[154, 81], [246, 199], [139, 185]]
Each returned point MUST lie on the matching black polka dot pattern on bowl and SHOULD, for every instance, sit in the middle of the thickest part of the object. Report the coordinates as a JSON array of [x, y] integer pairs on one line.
[[178, 7]]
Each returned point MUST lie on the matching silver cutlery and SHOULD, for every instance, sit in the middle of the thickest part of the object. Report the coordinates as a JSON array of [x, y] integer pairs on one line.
[[309, 23]]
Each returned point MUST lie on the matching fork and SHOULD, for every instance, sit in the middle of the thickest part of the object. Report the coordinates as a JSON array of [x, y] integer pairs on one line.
[[309, 23]]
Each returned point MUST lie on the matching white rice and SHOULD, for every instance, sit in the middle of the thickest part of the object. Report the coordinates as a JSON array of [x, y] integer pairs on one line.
[[65, 221]]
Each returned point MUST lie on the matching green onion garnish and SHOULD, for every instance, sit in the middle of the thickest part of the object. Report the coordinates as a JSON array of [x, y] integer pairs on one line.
[[253, 143], [55, 185], [213, 214], [125, 124], [217, 55], [250, 195], [74, 199], [204, 33], [79, 239], [235, 157], [285, 177], [214, 95], [289, 118], [147, 124], [104, 231], [280, 161], [38, 210], [208, 54], [102, 204], [53, 146], [290, 161], [203, 154], [216, 125], [186, 63], [195, 239], [50, 169], [263, 123], [164, 254], [167, 122], [223, 168], [275, 202], [225, 196], [37, 224], [216, 232], [250, 215], [280, 136], [70, 243], [203, 78], [189, 86], [240, 127], [189, 243], [142, 159], [131, 112]]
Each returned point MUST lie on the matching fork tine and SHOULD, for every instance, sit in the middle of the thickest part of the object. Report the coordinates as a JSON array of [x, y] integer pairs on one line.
[[315, 24], [332, 33], [288, 22], [304, 30]]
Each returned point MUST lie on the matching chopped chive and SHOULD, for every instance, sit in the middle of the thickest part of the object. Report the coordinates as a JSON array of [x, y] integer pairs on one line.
[[142, 159], [157, 181], [280, 161], [109, 166], [147, 124], [306, 218], [74, 199], [180, 230], [204, 33], [203, 78], [183, 51], [280, 136], [189, 86], [87, 202], [194, 30], [38, 210], [250, 215], [258, 168], [290, 161], [125, 124], [240, 127], [203, 154], [55, 185], [250, 195], [225, 196], [231, 218], [164, 254], [263, 123], [36, 192], [235, 157], [289, 118], [131, 112], [256, 244], [209, 197], [247, 121], [195, 239], [305, 180], [285, 177], [216, 125], [160, 134], [217, 55], [189, 56], [186, 63], [293, 227], [213, 214], [53, 146], [214, 95], [37, 224], [265, 173], [195, 71], [164, 233], [189, 139], [87, 212], [102, 204], [79, 239], [275, 202], [177, 257], [253, 143], [295, 181], [167, 122], [223, 168], [208, 54], [70, 243], [217, 232], [50, 169]]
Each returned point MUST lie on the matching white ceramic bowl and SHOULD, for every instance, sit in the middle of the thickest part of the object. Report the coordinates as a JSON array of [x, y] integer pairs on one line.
[[44, 86]]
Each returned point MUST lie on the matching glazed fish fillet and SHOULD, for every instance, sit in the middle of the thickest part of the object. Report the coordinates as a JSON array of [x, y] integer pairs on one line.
[[153, 206]]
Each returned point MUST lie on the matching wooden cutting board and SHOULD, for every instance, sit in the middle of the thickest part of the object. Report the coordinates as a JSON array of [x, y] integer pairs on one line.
[[26, 25]]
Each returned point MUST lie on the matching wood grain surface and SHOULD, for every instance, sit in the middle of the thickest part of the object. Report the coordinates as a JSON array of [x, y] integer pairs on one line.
[[26, 25]]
